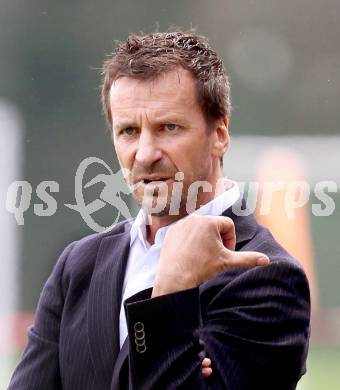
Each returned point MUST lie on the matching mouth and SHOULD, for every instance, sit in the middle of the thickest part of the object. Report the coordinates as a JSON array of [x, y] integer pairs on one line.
[[154, 180]]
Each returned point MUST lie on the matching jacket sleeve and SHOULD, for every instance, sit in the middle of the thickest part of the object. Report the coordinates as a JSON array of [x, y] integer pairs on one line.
[[38, 368], [253, 325]]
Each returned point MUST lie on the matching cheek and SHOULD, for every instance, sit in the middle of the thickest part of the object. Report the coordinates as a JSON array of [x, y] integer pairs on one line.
[[194, 156], [123, 155]]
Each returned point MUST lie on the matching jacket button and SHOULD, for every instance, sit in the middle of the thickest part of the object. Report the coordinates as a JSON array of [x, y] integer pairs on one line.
[[141, 349], [139, 337], [140, 345], [138, 327]]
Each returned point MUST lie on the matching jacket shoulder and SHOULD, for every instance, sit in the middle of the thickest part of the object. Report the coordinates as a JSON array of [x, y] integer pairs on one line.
[[90, 243], [264, 242], [79, 257]]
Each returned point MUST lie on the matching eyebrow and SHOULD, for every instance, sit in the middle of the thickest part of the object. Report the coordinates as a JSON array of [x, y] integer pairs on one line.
[[168, 118], [122, 124], [171, 118]]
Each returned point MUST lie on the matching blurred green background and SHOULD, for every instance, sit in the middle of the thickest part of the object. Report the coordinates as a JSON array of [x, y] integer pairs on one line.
[[284, 62]]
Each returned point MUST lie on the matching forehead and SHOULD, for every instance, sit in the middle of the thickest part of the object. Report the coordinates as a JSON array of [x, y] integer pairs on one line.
[[175, 88]]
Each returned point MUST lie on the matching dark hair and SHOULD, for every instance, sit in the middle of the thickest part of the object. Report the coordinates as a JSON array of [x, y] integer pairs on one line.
[[146, 56]]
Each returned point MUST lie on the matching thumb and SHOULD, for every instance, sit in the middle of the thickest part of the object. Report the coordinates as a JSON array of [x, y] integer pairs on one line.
[[245, 259]]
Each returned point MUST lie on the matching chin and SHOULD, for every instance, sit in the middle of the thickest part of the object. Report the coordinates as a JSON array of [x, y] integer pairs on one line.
[[165, 208], [154, 205], [153, 213]]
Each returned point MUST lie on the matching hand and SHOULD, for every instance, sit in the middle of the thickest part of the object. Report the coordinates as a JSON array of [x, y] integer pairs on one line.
[[206, 369], [196, 249]]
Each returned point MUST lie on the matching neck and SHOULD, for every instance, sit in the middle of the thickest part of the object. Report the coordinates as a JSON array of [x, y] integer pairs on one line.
[[157, 222]]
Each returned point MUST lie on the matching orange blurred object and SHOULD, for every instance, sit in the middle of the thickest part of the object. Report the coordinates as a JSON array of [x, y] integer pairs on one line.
[[13, 331], [283, 208]]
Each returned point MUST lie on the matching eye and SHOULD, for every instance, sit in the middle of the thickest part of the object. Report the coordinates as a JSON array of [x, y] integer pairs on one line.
[[128, 131], [170, 126]]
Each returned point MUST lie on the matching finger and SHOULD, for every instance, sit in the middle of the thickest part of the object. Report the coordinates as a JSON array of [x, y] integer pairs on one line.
[[206, 372], [226, 228], [245, 259], [206, 362]]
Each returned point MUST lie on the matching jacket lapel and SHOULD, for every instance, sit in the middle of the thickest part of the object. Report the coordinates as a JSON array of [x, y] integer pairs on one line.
[[244, 221], [104, 304], [120, 377]]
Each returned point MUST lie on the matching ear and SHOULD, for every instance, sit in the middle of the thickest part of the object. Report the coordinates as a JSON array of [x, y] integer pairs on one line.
[[221, 141]]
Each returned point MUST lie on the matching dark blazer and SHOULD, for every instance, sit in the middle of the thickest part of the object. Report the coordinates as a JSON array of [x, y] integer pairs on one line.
[[253, 324]]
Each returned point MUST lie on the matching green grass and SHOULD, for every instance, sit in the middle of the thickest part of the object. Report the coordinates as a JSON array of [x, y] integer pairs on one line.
[[323, 370], [7, 364]]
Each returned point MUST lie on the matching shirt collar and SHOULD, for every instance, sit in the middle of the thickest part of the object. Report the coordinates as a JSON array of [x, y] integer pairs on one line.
[[138, 229], [215, 207]]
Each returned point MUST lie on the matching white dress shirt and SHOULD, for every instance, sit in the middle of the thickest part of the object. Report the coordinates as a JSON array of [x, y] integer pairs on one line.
[[143, 257]]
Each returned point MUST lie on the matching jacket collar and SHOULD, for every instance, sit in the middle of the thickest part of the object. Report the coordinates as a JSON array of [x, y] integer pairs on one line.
[[104, 301], [245, 223]]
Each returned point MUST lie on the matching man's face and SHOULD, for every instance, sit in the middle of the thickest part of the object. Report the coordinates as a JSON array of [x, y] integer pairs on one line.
[[159, 129]]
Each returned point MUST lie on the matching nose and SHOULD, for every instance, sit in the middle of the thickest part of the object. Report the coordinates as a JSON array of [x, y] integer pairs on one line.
[[148, 151]]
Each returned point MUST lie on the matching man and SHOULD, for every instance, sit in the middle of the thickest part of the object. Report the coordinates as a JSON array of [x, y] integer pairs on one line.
[[140, 305]]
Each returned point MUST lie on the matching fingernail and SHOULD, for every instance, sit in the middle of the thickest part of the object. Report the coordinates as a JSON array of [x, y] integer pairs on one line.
[[262, 261], [206, 372]]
